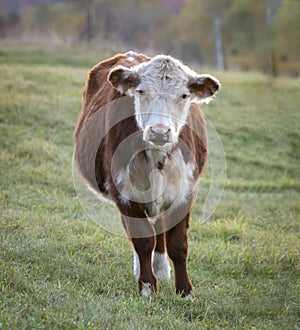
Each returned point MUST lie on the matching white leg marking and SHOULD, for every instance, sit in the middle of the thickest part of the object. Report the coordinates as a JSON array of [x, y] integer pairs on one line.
[[161, 266], [146, 290], [136, 266]]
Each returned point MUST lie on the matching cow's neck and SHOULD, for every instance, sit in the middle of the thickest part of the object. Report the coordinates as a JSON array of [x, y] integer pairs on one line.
[[157, 157]]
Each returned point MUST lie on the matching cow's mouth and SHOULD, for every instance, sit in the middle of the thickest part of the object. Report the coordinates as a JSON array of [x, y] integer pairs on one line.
[[159, 140]]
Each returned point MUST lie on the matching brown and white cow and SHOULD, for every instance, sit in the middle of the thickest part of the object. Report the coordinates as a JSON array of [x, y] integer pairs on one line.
[[141, 142]]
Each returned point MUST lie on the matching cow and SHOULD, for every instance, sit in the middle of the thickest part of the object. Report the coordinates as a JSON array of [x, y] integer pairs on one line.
[[141, 142]]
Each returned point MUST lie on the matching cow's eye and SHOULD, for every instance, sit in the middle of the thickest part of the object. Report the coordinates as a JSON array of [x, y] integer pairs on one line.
[[140, 91], [184, 96]]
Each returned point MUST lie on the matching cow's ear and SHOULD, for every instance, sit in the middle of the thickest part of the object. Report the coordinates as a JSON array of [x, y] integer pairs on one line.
[[204, 87], [123, 78]]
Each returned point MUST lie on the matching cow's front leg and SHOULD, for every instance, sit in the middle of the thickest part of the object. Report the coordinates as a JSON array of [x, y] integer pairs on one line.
[[147, 282], [141, 233], [177, 246]]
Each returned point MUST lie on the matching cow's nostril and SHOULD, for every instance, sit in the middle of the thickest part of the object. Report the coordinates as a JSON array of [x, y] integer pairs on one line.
[[159, 129], [159, 134]]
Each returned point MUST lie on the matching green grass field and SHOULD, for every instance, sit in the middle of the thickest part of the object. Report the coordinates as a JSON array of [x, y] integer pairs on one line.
[[58, 270]]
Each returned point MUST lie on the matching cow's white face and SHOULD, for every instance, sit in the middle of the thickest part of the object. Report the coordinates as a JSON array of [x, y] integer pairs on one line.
[[163, 90]]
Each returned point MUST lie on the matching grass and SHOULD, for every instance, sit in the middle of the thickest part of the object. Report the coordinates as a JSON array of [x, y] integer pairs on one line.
[[58, 270]]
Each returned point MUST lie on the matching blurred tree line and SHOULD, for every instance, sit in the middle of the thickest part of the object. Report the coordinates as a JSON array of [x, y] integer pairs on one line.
[[241, 34]]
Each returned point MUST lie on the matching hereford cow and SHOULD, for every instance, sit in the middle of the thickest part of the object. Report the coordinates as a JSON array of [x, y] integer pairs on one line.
[[141, 142]]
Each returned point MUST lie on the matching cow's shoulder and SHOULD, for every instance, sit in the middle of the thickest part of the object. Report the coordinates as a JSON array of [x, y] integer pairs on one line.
[[98, 91], [194, 136]]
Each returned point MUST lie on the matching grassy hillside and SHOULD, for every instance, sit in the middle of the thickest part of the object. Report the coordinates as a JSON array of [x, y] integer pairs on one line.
[[58, 270]]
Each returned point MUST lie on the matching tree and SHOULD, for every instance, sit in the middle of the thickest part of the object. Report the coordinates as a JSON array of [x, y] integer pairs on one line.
[[287, 28], [89, 5]]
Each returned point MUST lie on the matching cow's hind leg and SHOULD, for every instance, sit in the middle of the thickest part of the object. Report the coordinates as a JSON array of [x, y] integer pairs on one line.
[[160, 262], [177, 246]]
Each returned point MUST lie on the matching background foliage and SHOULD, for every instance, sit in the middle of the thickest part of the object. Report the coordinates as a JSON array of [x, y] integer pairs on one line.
[[256, 34]]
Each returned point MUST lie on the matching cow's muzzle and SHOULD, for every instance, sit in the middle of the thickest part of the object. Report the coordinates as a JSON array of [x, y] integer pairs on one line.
[[159, 134]]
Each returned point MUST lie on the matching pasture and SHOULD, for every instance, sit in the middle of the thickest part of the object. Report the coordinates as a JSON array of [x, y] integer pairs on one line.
[[58, 270]]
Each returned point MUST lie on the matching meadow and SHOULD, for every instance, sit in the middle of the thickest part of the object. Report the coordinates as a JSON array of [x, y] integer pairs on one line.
[[59, 270]]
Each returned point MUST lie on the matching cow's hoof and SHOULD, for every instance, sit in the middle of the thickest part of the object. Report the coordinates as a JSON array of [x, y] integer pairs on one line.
[[186, 293], [189, 297], [146, 290]]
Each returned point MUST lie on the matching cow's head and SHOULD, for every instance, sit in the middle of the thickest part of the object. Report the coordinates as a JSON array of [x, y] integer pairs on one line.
[[163, 90]]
